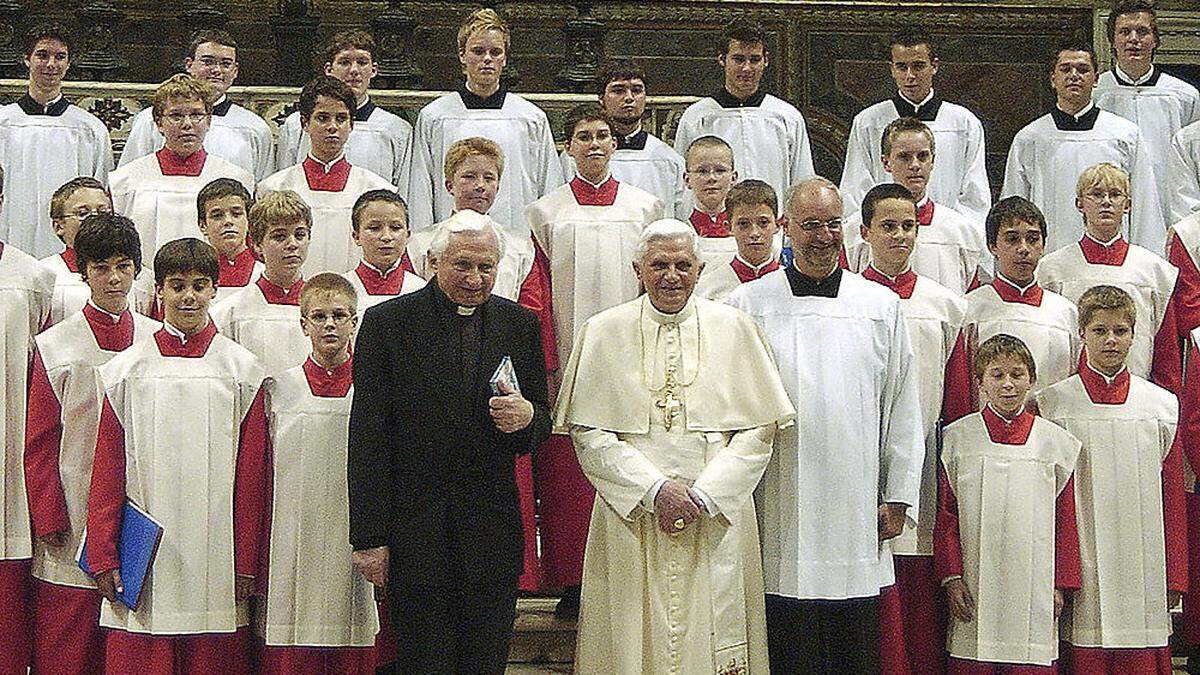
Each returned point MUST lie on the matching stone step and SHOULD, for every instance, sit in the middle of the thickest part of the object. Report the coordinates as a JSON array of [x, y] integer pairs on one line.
[[542, 642]]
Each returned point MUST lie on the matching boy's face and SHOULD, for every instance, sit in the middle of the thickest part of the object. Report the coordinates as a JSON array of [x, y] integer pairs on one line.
[[475, 183], [328, 127], [483, 58], [355, 67], [910, 162], [1107, 338], [48, 63], [284, 248], [753, 227], [225, 224], [382, 233], [1134, 41], [214, 63], [1018, 248], [82, 203], [329, 322], [1005, 384], [185, 297], [709, 174], [1103, 209], [591, 145], [624, 100], [110, 281], [892, 234], [744, 64], [913, 70], [1073, 77], [183, 124]]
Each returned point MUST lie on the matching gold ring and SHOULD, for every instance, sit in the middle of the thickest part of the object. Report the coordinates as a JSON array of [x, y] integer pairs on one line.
[[679, 524]]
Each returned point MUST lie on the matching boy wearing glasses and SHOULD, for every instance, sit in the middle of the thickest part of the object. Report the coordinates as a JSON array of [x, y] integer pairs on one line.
[[70, 205], [709, 174]]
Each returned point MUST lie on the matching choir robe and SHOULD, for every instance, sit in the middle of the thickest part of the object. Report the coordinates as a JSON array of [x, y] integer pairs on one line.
[[1183, 172], [203, 476], [235, 134], [330, 190], [380, 142], [959, 178], [950, 248], [531, 165], [717, 281], [373, 287], [265, 319], [1183, 251], [768, 136], [1047, 156], [1147, 278], [158, 193], [644, 161], [1045, 321], [847, 363], [1007, 503], [1189, 433], [689, 602], [1160, 105], [71, 292], [42, 147], [1129, 506]]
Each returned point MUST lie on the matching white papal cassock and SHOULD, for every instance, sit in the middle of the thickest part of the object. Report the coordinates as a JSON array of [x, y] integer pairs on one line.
[[959, 179], [234, 134], [158, 193], [1047, 156], [847, 365], [642, 160], [265, 319], [380, 142], [531, 166], [330, 190], [42, 147], [690, 602], [1183, 172]]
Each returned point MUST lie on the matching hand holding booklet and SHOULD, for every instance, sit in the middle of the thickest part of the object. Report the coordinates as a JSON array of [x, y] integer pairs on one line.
[[137, 545], [507, 374]]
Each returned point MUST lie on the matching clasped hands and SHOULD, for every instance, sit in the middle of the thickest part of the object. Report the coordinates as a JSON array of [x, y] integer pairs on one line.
[[675, 504], [510, 411]]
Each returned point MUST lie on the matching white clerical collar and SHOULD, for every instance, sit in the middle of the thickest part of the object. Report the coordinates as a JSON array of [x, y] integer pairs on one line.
[[756, 268], [1105, 244], [924, 200], [115, 317], [1107, 379], [328, 166], [1135, 82], [170, 328], [384, 273], [927, 99], [1010, 282], [664, 318], [49, 104], [1086, 109], [604, 180]]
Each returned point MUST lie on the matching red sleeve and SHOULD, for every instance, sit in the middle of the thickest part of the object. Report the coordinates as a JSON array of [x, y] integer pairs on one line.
[[251, 494], [1187, 288], [1166, 365], [1066, 540], [106, 497], [536, 297], [947, 544], [1189, 410], [956, 390], [43, 445], [1175, 518]]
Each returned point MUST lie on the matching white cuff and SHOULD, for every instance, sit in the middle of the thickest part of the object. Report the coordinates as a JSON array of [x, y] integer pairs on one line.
[[652, 494]]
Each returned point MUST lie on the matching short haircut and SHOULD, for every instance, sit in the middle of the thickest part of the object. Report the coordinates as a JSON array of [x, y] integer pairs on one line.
[[181, 256], [911, 38], [1102, 175], [59, 199], [104, 235], [355, 38], [879, 193], [709, 142], [464, 222], [215, 36], [275, 208], [474, 146], [751, 192], [666, 229], [327, 284], [370, 197], [1073, 46], [51, 30], [587, 112], [1100, 298], [1001, 345], [1012, 210], [218, 189], [182, 87], [746, 31], [481, 20], [901, 125], [614, 71], [1130, 7], [809, 184], [329, 87]]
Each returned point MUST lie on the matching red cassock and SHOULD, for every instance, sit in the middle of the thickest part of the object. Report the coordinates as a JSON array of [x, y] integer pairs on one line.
[[1189, 431]]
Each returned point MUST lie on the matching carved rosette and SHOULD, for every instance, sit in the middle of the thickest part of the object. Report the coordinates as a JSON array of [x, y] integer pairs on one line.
[[585, 49], [101, 60], [294, 27], [393, 29], [11, 16]]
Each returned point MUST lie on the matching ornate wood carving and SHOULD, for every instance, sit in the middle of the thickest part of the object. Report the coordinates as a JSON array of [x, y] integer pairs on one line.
[[101, 57]]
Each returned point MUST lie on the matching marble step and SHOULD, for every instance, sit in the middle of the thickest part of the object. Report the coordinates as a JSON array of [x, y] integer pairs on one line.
[[542, 642]]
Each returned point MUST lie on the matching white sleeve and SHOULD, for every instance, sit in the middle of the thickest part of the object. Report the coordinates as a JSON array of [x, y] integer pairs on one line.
[[857, 178], [287, 150], [421, 181], [901, 439], [551, 167], [1146, 225], [264, 153], [730, 476], [1016, 182], [975, 194], [1183, 176], [621, 474], [103, 157], [802, 161], [403, 160]]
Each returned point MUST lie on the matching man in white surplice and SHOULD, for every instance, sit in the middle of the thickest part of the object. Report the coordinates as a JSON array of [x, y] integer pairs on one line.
[[829, 505], [674, 440]]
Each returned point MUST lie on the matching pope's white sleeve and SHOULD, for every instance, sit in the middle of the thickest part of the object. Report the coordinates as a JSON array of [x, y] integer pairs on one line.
[[732, 473], [621, 474]]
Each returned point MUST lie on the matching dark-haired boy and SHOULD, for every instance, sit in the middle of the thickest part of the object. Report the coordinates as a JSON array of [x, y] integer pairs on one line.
[[223, 207], [60, 440], [70, 205], [380, 222]]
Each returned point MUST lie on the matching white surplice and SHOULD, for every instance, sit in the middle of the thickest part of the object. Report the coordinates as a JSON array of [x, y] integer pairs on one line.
[[1183, 172], [367, 300], [655, 168], [381, 144], [270, 331], [239, 136], [1050, 331]]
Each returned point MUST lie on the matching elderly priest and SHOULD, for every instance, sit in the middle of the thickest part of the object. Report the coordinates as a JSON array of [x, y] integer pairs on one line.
[[672, 403]]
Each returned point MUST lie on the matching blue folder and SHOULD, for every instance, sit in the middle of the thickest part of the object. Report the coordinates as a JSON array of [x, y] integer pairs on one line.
[[137, 544]]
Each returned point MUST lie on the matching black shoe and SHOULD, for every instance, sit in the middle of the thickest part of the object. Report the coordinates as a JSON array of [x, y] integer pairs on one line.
[[568, 605]]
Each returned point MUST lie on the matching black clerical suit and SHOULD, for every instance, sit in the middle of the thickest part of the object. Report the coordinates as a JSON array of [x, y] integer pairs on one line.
[[431, 477]]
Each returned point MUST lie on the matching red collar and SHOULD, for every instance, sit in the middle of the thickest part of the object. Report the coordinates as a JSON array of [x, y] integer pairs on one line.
[[747, 273], [277, 295], [320, 180], [195, 347], [172, 164], [236, 273], [1100, 254], [406, 264], [1100, 391], [69, 257], [380, 284], [587, 194], [925, 212], [110, 336], [1005, 432], [707, 226], [1008, 292], [328, 384], [902, 285]]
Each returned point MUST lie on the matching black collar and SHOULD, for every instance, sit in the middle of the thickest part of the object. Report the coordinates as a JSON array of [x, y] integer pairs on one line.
[[926, 112], [363, 113], [728, 100], [222, 109], [803, 285], [1066, 122], [475, 102], [1126, 83], [32, 107], [635, 142]]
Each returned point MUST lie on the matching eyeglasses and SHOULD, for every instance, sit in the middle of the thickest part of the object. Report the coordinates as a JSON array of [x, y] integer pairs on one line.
[[1099, 195], [320, 318], [814, 224], [178, 118], [83, 214]]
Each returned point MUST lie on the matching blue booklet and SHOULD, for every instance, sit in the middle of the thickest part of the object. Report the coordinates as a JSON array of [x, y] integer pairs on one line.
[[137, 544]]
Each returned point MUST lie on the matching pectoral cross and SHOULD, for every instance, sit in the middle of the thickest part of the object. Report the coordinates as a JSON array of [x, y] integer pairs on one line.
[[669, 403]]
